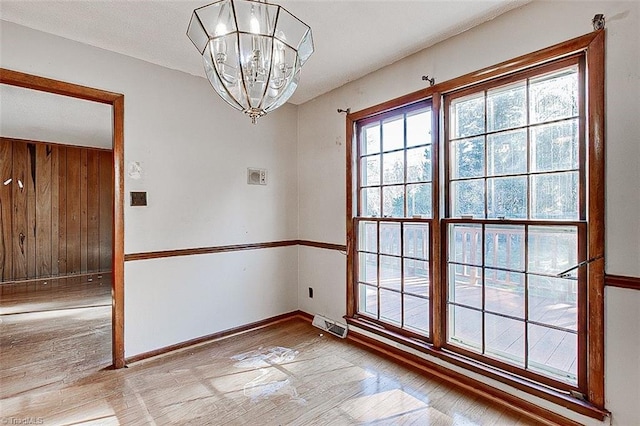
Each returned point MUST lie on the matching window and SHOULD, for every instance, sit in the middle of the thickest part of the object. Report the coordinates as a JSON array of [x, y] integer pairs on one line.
[[515, 166], [483, 264], [394, 216]]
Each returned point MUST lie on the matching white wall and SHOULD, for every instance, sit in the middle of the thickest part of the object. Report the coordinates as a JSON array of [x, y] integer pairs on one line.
[[194, 296], [194, 151], [46, 117], [321, 160]]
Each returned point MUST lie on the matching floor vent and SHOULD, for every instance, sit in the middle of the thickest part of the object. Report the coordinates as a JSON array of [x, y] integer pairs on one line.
[[332, 327]]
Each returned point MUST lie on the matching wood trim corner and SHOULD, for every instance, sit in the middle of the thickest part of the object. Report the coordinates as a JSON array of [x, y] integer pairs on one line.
[[322, 245], [305, 316], [43, 84]]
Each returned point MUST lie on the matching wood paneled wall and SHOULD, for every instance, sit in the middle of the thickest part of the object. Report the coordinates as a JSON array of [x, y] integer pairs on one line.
[[56, 210]]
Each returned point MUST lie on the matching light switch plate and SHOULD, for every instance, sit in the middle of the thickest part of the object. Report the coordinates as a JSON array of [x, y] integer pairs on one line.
[[138, 198]]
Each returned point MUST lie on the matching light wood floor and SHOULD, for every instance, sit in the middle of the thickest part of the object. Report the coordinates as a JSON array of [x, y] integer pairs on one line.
[[53, 294], [53, 332], [283, 374]]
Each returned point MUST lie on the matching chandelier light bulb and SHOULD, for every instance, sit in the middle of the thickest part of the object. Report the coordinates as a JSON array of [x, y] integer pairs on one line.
[[221, 29], [254, 24]]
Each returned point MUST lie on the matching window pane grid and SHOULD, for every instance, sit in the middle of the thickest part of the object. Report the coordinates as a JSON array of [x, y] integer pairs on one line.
[[527, 167], [491, 268], [515, 299], [393, 226], [394, 272], [410, 184], [513, 153], [512, 317], [390, 151], [395, 165], [523, 127], [517, 175]]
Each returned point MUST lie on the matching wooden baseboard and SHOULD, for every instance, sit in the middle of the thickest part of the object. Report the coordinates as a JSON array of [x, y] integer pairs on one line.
[[215, 336], [305, 316], [28, 285], [496, 396]]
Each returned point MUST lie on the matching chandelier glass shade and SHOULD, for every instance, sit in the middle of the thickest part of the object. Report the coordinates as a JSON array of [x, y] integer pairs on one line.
[[252, 51]]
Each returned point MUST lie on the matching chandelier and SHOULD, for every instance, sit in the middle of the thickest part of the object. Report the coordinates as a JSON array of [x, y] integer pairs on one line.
[[252, 51]]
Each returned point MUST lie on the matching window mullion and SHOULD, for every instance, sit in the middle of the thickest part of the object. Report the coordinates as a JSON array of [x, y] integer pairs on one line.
[[381, 189], [526, 297], [582, 146], [402, 273], [528, 153], [378, 268], [485, 160], [484, 289], [437, 287]]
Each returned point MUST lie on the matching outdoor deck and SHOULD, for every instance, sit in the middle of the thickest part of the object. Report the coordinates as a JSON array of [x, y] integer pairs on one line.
[[550, 350]]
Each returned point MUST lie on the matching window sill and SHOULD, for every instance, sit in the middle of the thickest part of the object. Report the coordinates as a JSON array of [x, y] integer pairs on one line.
[[530, 387]]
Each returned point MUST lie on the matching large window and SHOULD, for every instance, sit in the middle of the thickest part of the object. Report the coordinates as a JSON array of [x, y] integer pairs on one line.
[[475, 221], [515, 166]]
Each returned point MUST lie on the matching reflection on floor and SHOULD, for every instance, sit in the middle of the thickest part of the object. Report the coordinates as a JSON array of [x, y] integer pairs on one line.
[[55, 293], [52, 333], [282, 374]]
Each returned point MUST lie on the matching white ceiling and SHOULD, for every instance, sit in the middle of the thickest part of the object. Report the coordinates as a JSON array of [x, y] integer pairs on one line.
[[352, 37]]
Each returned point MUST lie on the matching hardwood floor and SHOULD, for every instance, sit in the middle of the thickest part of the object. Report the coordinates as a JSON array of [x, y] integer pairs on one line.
[[52, 294], [53, 331], [287, 373]]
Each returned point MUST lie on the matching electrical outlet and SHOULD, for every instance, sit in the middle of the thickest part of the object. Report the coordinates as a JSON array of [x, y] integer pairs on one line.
[[310, 292]]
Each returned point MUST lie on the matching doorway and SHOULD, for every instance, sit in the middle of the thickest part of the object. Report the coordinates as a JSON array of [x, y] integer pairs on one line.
[[116, 101]]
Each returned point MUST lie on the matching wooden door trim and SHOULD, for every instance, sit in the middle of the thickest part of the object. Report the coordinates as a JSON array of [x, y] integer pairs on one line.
[[116, 100]]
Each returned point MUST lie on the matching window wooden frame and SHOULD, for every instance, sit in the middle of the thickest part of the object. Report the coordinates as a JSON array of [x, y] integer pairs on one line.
[[404, 111], [591, 48], [579, 222]]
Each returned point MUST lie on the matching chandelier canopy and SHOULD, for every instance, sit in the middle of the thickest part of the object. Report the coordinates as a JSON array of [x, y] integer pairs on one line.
[[252, 51]]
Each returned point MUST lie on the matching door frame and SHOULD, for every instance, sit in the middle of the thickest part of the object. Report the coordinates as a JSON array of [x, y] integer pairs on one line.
[[116, 100]]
